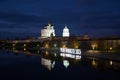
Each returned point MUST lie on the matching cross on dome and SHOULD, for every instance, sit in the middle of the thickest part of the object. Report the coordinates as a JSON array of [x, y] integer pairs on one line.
[[66, 26]]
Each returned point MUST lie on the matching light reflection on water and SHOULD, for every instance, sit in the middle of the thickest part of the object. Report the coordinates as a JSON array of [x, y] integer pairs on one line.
[[63, 63], [49, 58]]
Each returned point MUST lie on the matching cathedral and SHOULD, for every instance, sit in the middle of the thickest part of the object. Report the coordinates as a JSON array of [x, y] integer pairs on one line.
[[66, 32], [49, 30]]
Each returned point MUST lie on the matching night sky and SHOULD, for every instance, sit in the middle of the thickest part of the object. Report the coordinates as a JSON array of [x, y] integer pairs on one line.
[[97, 18]]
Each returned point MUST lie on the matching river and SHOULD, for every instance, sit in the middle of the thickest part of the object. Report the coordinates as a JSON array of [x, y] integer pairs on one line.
[[37, 65]]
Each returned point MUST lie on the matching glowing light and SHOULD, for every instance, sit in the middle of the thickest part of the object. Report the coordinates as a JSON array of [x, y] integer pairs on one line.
[[94, 63], [53, 64], [13, 44], [64, 46], [66, 63], [70, 50], [24, 45], [47, 63], [46, 52], [77, 57], [24, 49], [110, 48], [13, 48], [66, 32], [46, 32], [94, 46], [70, 55], [55, 54], [76, 46], [111, 62], [63, 54], [15, 41], [55, 45], [46, 46]]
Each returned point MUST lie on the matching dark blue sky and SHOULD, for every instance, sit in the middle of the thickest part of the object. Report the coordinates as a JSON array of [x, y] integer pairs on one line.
[[95, 17]]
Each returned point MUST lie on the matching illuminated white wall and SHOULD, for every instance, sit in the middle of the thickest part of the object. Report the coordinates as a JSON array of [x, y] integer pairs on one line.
[[47, 31], [47, 63], [66, 32]]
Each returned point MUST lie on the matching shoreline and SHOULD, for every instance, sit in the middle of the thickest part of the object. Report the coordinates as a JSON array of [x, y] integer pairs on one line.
[[102, 55], [89, 53]]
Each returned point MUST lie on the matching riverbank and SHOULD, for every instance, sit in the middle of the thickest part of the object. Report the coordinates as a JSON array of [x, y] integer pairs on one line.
[[102, 55]]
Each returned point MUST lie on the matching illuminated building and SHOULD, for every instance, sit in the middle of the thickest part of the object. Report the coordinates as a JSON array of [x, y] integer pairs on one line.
[[66, 32], [47, 63], [85, 36], [47, 31]]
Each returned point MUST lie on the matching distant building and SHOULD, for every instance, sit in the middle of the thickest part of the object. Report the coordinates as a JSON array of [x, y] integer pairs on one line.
[[66, 32], [86, 36], [47, 31]]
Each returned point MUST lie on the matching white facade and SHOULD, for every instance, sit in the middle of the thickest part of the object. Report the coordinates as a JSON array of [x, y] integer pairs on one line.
[[47, 31], [66, 32]]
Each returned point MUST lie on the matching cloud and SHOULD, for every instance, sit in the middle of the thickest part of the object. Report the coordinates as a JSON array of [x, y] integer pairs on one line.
[[15, 19], [86, 15], [19, 17], [100, 20]]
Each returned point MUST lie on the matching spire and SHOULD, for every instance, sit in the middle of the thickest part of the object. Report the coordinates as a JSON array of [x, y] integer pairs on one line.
[[49, 23], [65, 26]]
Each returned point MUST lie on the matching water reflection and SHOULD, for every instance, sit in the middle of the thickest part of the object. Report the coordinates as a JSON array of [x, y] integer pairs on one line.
[[74, 56], [66, 63], [49, 64], [38, 51], [27, 53], [111, 62], [49, 59], [94, 63], [101, 64], [46, 52]]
